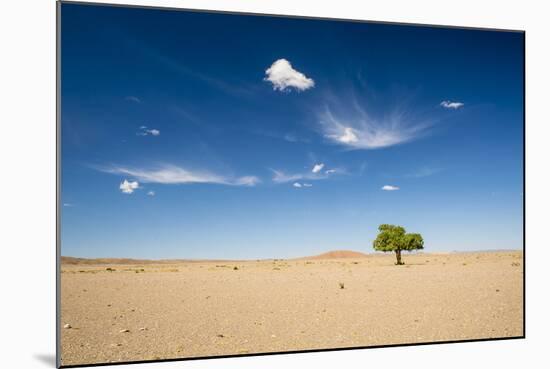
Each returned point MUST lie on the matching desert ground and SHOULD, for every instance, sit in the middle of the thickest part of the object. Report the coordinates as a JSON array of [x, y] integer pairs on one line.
[[128, 310]]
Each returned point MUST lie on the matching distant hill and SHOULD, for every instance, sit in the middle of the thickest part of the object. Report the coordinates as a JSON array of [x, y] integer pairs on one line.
[[69, 260], [337, 254]]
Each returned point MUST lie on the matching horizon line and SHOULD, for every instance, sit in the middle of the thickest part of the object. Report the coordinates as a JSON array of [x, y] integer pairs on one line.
[[372, 253]]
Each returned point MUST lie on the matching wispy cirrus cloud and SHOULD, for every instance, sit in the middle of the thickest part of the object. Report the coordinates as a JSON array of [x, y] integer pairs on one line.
[[280, 176], [423, 172], [352, 127], [133, 99], [172, 174], [302, 185], [225, 84], [314, 174], [284, 77], [447, 104], [291, 137]]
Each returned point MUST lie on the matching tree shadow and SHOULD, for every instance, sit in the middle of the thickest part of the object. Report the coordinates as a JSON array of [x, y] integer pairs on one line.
[[48, 359]]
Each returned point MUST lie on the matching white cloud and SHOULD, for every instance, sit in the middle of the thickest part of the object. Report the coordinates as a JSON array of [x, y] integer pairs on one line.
[[283, 77], [300, 185], [68, 205], [356, 129], [390, 188], [451, 104], [317, 168], [151, 193], [330, 171], [297, 185], [144, 131], [349, 136], [128, 187], [308, 185], [172, 174]]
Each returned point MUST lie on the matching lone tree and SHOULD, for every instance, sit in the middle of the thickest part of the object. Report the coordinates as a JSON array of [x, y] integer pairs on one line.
[[394, 238]]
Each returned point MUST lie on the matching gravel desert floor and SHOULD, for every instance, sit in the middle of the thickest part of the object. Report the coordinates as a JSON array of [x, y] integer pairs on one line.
[[150, 311]]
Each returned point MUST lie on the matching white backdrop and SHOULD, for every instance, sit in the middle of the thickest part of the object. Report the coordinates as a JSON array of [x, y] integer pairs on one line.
[[27, 181]]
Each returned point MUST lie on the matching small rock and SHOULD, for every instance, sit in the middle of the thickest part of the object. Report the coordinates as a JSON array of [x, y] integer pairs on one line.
[[124, 331], [143, 329], [67, 326], [220, 335], [273, 336]]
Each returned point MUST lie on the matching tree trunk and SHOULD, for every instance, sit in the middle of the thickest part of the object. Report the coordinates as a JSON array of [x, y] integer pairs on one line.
[[398, 256]]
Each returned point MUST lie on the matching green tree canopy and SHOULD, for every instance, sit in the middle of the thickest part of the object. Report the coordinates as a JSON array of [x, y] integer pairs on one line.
[[394, 238]]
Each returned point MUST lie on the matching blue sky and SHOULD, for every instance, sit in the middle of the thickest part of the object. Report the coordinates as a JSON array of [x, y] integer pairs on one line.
[[194, 135]]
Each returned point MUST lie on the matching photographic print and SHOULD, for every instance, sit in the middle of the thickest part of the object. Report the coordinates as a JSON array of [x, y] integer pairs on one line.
[[239, 184]]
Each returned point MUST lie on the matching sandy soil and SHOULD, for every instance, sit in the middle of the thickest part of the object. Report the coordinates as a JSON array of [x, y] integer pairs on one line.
[[190, 309]]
